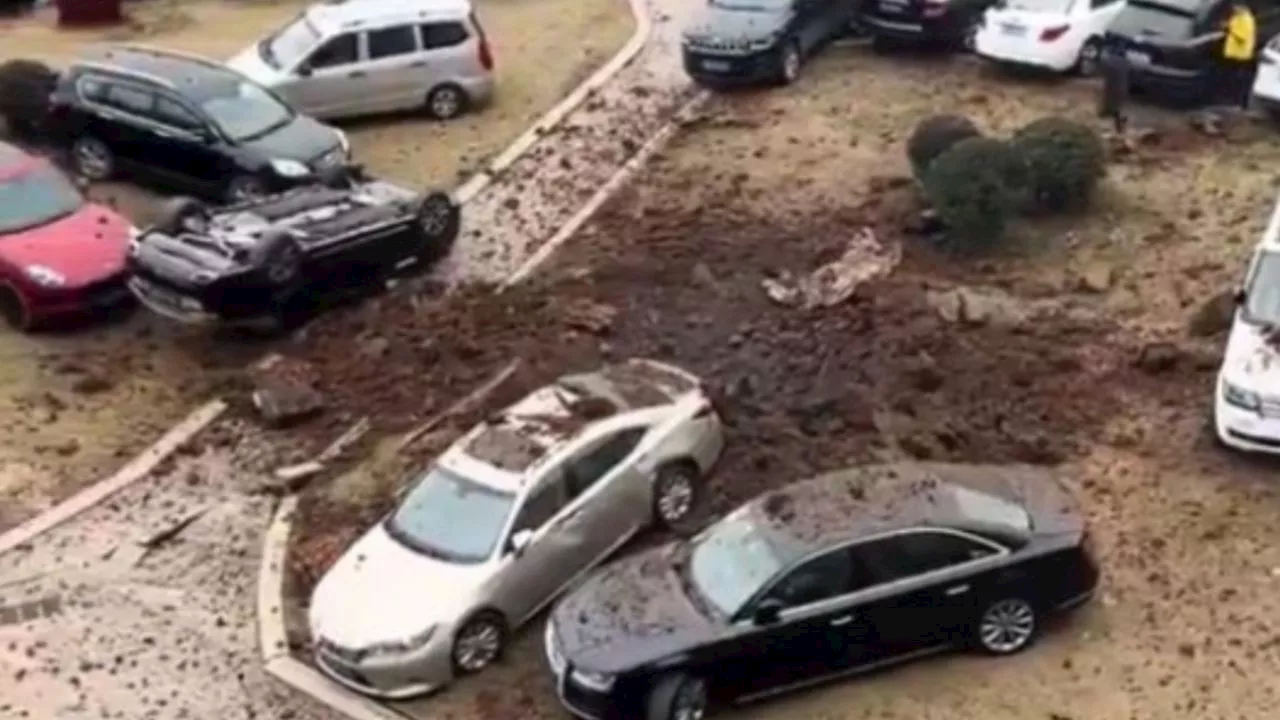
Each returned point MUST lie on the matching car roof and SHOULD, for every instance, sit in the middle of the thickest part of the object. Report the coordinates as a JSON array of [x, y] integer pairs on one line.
[[183, 72], [334, 15], [516, 439], [869, 500]]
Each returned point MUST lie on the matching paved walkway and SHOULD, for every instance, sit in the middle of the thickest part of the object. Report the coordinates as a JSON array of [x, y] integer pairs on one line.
[[103, 617]]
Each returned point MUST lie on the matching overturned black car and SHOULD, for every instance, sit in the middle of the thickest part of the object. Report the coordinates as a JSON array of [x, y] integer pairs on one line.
[[268, 262]]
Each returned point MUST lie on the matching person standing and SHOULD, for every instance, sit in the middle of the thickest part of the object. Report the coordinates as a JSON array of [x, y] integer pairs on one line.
[[1115, 83], [1239, 48]]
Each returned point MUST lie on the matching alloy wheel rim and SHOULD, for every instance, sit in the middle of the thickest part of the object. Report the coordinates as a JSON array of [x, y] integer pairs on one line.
[[435, 217], [478, 646], [1007, 625], [690, 702], [93, 160], [675, 497], [445, 103]]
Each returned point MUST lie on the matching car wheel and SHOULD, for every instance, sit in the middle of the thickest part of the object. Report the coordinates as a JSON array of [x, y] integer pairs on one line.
[[13, 310], [675, 491], [789, 62], [478, 644], [1090, 58], [177, 213], [281, 258], [244, 188], [677, 697], [446, 102], [1006, 626], [439, 220], [92, 159]]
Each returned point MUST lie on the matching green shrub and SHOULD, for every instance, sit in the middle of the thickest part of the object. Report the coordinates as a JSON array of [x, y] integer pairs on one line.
[[934, 136], [1064, 159], [25, 87], [976, 187]]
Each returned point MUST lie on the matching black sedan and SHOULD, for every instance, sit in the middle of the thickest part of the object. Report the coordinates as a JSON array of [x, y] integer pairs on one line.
[[829, 577]]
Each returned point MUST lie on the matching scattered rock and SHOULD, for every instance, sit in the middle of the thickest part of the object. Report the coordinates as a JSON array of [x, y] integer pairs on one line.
[[972, 306], [289, 480], [1158, 357], [1098, 277], [285, 389], [1214, 315], [864, 259], [590, 316]]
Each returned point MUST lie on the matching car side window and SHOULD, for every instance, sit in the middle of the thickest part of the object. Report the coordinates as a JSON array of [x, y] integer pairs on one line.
[[339, 50], [586, 470], [130, 99], [91, 88], [916, 553], [540, 506], [174, 114], [442, 35], [822, 578], [392, 41]]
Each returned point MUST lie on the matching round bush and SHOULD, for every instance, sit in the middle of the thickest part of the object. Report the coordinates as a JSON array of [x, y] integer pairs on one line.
[[25, 87], [934, 136], [1064, 160], [976, 187]]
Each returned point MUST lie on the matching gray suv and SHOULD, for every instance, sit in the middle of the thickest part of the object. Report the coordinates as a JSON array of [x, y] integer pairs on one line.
[[744, 41]]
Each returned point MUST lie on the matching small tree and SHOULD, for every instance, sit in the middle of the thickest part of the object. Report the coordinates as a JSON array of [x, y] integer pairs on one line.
[[934, 136], [1064, 159], [976, 187], [25, 87]]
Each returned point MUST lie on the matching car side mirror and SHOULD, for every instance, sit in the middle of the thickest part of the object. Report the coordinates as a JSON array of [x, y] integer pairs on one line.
[[303, 70], [767, 612], [519, 542]]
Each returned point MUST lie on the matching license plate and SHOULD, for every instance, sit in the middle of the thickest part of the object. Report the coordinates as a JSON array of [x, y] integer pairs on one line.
[[1014, 30], [1138, 58], [715, 65]]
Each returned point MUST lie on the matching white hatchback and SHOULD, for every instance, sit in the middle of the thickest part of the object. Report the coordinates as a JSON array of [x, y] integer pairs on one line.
[[1057, 35], [1266, 84]]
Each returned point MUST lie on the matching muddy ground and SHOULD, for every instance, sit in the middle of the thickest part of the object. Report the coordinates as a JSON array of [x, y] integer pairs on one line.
[[1051, 370], [74, 403]]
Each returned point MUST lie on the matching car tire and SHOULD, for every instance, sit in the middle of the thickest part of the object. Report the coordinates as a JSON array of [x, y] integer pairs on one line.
[[13, 310], [438, 220], [479, 643], [244, 188], [92, 159], [1005, 626], [175, 212], [790, 61], [675, 495], [446, 102], [1088, 62], [677, 697], [280, 258]]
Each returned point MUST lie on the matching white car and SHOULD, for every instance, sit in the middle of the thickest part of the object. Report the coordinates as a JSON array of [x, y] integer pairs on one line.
[[1056, 35], [1266, 84], [506, 519], [1247, 396]]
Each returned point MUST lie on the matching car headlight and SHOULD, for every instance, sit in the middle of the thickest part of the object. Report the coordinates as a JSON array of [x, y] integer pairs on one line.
[[290, 168], [46, 276], [399, 647], [600, 682], [1239, 397]]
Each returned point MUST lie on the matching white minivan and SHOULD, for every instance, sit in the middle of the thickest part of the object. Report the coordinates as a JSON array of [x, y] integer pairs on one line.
[[344, 58], [1056, 35], [1246, 404]]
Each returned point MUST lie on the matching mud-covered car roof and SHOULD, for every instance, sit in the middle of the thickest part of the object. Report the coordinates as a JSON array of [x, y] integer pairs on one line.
[[874, 499]]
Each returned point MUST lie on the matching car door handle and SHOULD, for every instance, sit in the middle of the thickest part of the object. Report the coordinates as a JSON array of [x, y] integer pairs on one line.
[[356, 73], [842, 621], [957, 590]]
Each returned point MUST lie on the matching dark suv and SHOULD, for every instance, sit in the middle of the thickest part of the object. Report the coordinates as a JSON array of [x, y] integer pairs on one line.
[[951, 23], [186, 122], [1173, 45]]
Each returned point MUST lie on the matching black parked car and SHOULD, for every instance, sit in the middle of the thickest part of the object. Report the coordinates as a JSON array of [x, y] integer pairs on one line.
[[1174, 46], [947, 23], [271, 260], [746, 41], [186, 122], [826, 578]]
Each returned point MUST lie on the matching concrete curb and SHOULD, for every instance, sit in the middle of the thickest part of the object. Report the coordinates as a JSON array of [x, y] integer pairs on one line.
[[553, 117], [137, 468]]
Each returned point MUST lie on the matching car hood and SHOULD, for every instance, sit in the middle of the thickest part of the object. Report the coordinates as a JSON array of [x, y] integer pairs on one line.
[[303, 139], [249, 62], [631, 612], [1250, 361], [86, 246], [380, 591], [714, 25]]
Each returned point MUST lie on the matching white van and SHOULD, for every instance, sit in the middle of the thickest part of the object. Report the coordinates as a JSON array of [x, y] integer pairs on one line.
[[344, 58]]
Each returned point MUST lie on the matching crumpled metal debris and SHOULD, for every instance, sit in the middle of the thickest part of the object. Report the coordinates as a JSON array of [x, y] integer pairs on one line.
[[865, 258]]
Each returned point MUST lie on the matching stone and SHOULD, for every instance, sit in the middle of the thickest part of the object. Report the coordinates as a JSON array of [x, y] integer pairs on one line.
[[1158, 357], [284, 389], [1096, 278]]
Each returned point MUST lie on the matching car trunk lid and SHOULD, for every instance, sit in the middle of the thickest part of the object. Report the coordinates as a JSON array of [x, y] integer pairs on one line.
[[1020, 22], [1160, 34]]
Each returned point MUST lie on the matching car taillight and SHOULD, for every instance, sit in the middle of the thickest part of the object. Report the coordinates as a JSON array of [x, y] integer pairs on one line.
[[1050, 34], [485, 54]]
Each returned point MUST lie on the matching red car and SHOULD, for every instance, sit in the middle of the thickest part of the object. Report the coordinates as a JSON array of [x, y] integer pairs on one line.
[[59, 253]]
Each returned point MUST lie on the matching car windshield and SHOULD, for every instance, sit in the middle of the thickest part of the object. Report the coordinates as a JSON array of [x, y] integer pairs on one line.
[[752, 5], [734, 558], [36, 198], [244, 111], [1262, 296], [288, 45], [1057, 7], [1143, 20], [450, 516]]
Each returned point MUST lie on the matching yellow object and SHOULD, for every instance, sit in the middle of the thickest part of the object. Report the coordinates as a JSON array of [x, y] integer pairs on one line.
[[1241, 38]]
